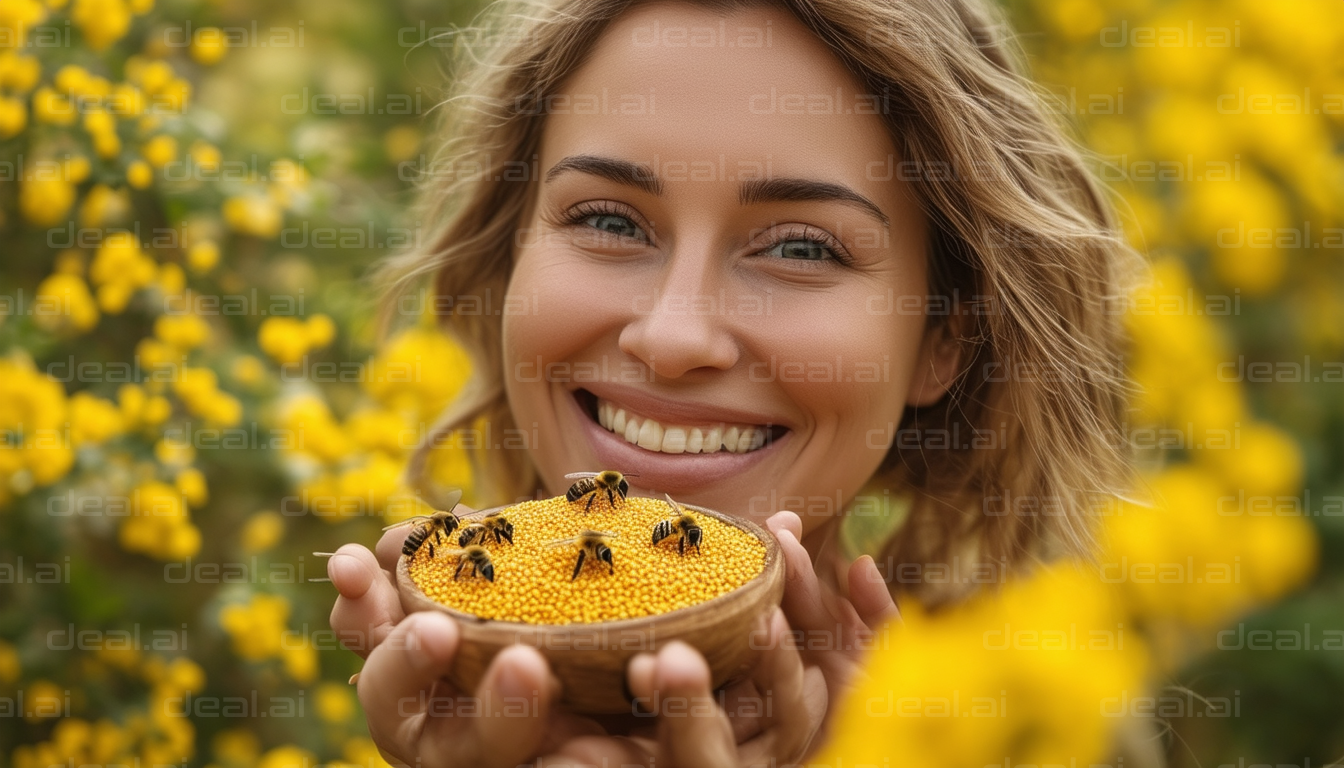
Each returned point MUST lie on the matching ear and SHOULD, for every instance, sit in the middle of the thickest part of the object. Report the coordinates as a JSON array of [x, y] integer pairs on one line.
[[937, 366]]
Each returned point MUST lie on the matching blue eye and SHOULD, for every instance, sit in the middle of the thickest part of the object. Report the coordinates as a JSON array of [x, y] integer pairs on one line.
[[807, 250], [615, 224]]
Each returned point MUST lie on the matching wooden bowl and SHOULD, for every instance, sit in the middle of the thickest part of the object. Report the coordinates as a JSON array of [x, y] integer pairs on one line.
[[590, 659]]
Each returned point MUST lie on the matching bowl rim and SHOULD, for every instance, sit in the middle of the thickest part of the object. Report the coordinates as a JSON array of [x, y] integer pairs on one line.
[[773, 559]]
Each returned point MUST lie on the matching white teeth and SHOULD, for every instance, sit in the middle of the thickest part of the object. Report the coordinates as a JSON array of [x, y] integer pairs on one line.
[[654, 436], [713, 440], [730, 440], [651, 435], [695, 440], [746, 439], [674, 440]]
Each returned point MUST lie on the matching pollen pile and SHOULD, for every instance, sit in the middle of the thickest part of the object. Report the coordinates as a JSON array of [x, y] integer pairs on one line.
[[532, 580]]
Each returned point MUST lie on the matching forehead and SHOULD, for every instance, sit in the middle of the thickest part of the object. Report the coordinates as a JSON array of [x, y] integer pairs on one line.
[[669, 82]]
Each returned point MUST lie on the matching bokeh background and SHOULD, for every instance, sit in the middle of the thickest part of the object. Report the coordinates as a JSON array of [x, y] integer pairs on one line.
[[194, 397]]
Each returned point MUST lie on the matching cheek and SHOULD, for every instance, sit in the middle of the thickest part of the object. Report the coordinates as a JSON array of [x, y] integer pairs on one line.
[[566, 311], [852, 377]]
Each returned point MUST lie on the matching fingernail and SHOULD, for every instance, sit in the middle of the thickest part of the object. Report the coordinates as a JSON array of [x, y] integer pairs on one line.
[[348, 573], [514, 680]]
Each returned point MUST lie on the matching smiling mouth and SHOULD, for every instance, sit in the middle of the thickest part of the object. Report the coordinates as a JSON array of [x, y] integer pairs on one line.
[[664, 437]]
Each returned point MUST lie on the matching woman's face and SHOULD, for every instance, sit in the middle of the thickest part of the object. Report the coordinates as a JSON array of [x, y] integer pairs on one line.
[[708, 291]]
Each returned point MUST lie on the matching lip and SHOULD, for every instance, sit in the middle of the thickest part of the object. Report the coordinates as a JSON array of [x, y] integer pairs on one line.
[[664, 472]]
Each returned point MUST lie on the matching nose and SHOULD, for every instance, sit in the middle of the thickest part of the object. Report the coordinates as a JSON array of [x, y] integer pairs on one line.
[[683, 326]]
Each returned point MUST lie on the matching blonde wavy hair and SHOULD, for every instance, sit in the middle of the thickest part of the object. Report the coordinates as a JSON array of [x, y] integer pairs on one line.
[[1021, 233]]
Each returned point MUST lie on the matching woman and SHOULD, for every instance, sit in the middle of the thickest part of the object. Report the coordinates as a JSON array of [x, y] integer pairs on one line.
[[770, 253]]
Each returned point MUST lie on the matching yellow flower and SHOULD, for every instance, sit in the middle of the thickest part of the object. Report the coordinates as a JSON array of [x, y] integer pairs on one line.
[[19, 72], [190, 483], [1027, 673], [334, 702], [64, 303], [103, 22], [13, 117], [44, 700], [139, 175], [419, 369], [284, 339], [262, 531], [287, 757], [185, 331], [208, 45], [248, 370], [16, 16], [205, 155], [185, 675], [120, 268], [45, 201], [203, 256], [51, 107], [254, 215], [159, 525], [300, 658], [103, 205], [236, 746], [257, 627], [160, 150], [93, 419]]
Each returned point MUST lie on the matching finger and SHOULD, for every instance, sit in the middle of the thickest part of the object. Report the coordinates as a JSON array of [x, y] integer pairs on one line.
[[692, 730], [803, 604], [639, 674], [389, 546], [785, 521], [517, 696], [367, 606], [743, 703], [397, 680], [779, 673], [869, 593]]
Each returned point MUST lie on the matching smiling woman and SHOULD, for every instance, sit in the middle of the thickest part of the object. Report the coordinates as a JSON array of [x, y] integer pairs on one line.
[[734, 219]]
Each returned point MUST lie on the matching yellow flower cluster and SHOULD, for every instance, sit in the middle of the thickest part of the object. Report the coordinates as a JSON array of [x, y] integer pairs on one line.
[[1027, 673], [159, 735], [359, 462], [258, 632], [288, 339], [119, 269], [160, 523]]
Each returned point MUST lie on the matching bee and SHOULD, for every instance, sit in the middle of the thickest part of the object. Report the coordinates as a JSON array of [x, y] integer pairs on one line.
[[590, 484], [430, 527], [492, 524], [683, 526], [477, 558], [591, 543]]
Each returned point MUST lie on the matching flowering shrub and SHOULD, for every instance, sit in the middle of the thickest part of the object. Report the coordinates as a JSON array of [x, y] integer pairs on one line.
[[191, 399]]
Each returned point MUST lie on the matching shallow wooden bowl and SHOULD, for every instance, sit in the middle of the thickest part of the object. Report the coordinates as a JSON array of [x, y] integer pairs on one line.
[[590, 659]]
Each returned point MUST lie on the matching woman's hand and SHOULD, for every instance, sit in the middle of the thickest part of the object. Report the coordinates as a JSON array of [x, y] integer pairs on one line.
[[415, 717], [832, 631], [780, 713]]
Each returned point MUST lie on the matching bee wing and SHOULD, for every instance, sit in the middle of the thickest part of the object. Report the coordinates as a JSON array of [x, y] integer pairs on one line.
[[436, 495], [559, 542], [578, 475], [608, 534], [407, 521]]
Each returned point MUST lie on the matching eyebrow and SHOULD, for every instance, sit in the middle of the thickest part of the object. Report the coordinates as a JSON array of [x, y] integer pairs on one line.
[[756, 190]]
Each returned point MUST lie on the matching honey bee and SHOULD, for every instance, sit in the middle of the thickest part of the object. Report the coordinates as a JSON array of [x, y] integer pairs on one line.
[[477, 558], [492, 524], [591, 543], [590, 484], [430, 527], [683, 526]]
